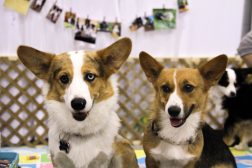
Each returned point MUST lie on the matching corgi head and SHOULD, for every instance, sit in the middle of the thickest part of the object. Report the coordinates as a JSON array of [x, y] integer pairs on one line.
[[232, 79], [77, 81], [227, 83], [181, 93]]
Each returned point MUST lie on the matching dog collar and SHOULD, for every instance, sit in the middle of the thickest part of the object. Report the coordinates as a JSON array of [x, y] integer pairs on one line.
[[64, 139]]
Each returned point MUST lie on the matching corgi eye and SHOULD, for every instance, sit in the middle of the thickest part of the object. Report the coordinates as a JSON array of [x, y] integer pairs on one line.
[[64, 79], [188, 88], [90, 77], [166, 88]]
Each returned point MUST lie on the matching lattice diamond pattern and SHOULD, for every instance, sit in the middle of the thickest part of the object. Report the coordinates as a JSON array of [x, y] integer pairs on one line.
[[20, 102], [23, 117]]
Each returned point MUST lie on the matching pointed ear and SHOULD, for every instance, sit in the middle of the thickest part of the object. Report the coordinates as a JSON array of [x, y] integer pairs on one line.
[[36, 61], [213, 70], [150, 66], [111, 58]]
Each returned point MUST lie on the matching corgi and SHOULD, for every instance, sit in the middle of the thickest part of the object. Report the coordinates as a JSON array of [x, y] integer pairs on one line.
[[80, 95], [177, 135], [237, 126], [226, 87]]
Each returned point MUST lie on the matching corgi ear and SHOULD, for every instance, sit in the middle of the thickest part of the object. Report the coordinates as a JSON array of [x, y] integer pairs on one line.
[[150, 66], [224, 79], [36, 61], [213, 70], [111, 58]]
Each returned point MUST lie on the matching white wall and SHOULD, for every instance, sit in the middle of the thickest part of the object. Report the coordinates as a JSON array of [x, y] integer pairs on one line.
[[209, 28]]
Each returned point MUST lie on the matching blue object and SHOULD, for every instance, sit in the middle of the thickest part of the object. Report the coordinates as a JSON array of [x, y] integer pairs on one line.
[[12, 157], [244, 161]]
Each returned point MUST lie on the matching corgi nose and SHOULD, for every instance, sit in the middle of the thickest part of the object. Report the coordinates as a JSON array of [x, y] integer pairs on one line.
[[78, 104], [174, 111], [232, 94]]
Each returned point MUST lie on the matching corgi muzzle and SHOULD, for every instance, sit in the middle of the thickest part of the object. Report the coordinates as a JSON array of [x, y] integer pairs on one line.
[[78, 105], [174, 112]]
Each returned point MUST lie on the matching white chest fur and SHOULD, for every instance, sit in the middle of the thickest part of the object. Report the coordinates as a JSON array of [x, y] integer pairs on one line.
[[172, 156], [214, 104], [83, 151]]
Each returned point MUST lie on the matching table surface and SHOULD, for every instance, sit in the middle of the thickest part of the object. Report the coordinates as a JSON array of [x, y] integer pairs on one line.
[[39, 157]]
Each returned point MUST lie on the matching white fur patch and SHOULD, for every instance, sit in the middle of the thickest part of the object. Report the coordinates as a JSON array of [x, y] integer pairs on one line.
[[172, 156], [180, 134], [174, 99], [231, 85], [78, 87]]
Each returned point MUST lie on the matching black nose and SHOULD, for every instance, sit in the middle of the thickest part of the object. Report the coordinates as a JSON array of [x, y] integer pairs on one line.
[[232, 94], [78, 104], [174, 111]]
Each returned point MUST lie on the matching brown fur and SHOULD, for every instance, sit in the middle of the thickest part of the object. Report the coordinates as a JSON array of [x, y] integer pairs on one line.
[[60, 65], [201, 79], [150, 141], [223, 166], [100, 88], [196, 149], [123, 150], [37, 61]]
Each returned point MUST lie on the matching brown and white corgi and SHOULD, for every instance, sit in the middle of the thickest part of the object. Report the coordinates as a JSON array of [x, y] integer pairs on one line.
[[80, 95], [177, 135]]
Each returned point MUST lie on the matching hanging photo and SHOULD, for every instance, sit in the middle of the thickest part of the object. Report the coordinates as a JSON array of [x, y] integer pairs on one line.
[[148, 22], [54, 13], [182, 5], [164, 18], [69, 20], [136, 24], [86, 30], [105, 26], [110, 27], [116, 29], [20, 6], [37, 5]]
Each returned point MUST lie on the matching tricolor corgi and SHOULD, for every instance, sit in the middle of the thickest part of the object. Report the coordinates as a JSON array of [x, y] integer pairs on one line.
[[226, 87], [80, 95], [238, 125], [177, 135]]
